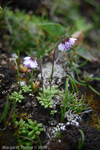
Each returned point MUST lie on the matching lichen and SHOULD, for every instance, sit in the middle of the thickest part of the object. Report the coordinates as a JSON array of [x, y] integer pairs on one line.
[[58, 74]]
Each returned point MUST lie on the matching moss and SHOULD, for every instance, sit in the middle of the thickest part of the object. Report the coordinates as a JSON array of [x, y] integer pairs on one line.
[[95, 105]]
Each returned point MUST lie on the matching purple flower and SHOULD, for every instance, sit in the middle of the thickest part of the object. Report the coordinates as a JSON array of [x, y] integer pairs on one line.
[[67, 44], [30, 62]]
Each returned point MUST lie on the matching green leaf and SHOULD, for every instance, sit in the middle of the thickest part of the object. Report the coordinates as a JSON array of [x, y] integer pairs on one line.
[[30, 122], [30, 133], [36, 128], [40, 129], [24, 132], [6, 109], [51, 106], [37, 132], [45, 106], [33, 137], [39, 125], [86, 54], [54, 29]]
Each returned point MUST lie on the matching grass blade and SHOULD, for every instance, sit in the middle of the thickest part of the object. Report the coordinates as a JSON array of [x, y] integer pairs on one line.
[[6, 109]]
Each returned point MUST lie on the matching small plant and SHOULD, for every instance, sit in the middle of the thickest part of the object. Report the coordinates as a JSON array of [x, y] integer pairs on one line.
[[45, 98], [75, 103], [17, 96], [28, 132], [72, 101], [53, 91], [66, 44], [87, 77], [58, 133], [32, 64], [35, 128], [26, 88], [53, 112], [35, 85]]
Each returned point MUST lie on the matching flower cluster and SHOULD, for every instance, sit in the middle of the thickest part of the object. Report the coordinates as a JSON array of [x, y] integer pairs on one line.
[[30, 62], [67, 44]]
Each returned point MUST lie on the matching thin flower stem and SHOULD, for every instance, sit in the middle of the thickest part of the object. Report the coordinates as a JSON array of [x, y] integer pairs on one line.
[[32, 79], [18, 74], [14, 113], [53, 62], [41, 73]]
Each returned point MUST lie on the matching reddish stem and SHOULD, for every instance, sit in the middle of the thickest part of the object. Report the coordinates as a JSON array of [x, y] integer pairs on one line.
[[53, 62]]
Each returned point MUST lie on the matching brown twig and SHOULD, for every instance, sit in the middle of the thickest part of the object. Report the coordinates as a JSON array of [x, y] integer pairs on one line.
[[27, 138]]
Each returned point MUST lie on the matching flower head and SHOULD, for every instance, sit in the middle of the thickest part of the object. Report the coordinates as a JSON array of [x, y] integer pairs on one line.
[[30, 62], [66, 44]]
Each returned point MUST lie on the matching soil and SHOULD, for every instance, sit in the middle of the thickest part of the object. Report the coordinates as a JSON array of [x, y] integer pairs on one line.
[[70, 138], [30, 108]]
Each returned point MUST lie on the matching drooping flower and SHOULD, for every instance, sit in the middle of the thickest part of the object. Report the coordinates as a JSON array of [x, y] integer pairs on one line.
[[30, 62], [67, 44]]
